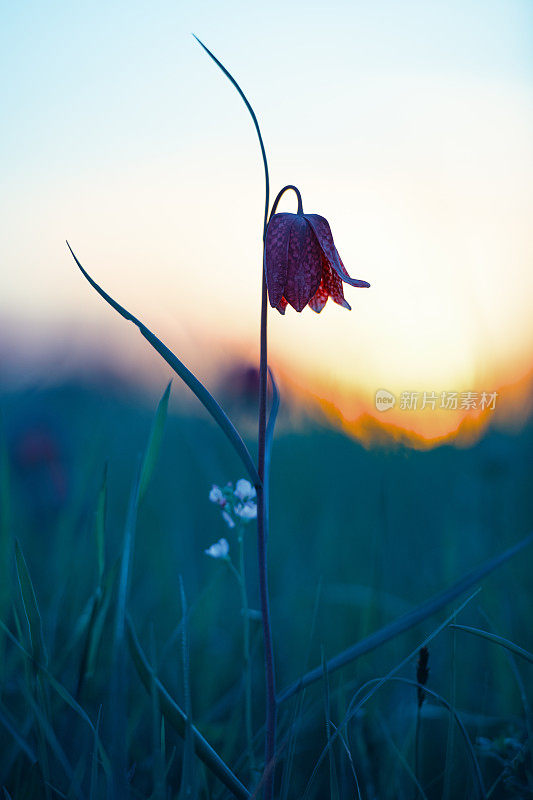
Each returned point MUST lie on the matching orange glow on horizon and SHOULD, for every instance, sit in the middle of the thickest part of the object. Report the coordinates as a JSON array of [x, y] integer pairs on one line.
[[117, 351], [422, 429]]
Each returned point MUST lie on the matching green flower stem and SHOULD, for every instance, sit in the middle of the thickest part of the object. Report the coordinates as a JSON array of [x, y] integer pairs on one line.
[[247, 660], [262, 538], [262, 493], [240, 576]]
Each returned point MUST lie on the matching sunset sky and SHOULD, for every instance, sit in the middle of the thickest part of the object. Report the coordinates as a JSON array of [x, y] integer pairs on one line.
[[407, 124]]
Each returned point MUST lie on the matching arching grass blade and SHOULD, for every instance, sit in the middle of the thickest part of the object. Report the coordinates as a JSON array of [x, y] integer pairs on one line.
[[407, 621], [492, 637], [178, 719], [154, 442], [197, 388], [31, 609]]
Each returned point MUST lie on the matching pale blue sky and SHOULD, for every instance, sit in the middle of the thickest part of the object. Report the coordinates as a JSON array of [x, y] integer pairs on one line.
[[407, 124]]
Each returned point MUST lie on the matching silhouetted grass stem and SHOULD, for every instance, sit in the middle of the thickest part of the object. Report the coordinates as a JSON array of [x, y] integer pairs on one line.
[[248, 720], [262, 535]]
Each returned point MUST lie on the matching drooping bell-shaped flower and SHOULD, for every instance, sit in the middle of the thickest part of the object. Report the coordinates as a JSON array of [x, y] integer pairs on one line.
[[302, 264]]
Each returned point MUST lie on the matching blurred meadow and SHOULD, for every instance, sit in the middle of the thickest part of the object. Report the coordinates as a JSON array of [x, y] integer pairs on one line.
[[359, 537], [409, 126]]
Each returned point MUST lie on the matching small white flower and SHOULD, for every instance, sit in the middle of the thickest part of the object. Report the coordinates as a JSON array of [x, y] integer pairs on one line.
[[244, 490], [228, 519], [218, 550], [216, 496], [246, 511]]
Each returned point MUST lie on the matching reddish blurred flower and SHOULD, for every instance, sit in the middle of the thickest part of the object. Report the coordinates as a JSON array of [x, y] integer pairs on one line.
[[39, 456], [302, 264]]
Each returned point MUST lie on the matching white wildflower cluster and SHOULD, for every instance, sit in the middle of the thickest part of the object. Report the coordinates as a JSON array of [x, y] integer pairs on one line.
[[219, 549], [237, 504]]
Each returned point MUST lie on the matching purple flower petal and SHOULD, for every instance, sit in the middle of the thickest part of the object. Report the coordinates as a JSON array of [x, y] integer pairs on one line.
[[325, 239], [282, 305], [304, 264], [319, 299], [333, 285], [276, 255]]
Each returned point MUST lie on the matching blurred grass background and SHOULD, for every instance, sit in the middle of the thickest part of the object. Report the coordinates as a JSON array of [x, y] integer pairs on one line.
[[361, 534]]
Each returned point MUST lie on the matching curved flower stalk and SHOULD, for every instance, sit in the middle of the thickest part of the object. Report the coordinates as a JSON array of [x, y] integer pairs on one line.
[[263, 461], [301, 266]]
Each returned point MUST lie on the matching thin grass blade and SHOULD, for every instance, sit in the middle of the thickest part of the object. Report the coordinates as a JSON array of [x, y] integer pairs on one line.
[[188, 775], [51, 737], [450, 738], [93, 790], [154, 442], [117, 693], [95, 632], [100, 517], [58, 688], [350, 761], [158, 733], [178, 719], [31, 609], [333, 778], [11, 728], [492, 637], [298, 707], [197, 388], [401, 758], [407, 621], [367, 693], [460, 725]]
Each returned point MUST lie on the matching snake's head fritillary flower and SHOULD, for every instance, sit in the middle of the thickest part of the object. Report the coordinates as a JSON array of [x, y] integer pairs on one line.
[[302, 264], [219, 549]]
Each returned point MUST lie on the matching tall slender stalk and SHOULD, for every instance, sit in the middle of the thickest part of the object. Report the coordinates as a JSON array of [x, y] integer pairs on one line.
[[262, 534], [262, 488], [262, 496], [240, 575], [248, 719]]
